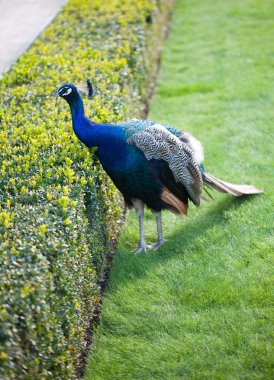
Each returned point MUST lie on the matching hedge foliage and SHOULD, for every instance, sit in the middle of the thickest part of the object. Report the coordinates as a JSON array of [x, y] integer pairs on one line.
[[52, 250]]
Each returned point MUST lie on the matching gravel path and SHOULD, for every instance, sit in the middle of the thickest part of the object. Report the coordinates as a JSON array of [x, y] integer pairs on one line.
[[21, 22]]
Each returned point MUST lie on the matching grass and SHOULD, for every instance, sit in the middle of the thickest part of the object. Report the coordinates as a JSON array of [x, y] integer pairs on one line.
[[201, 306]]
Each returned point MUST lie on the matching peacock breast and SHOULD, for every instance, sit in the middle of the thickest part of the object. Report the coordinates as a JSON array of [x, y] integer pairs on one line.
[[131, 173]]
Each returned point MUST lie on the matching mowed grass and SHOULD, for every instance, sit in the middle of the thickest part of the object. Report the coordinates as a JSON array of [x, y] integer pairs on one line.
[[201, 306]]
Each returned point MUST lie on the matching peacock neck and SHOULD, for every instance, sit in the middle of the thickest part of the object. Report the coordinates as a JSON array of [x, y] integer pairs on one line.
[[105, 137], [76, 107], [80, 123]]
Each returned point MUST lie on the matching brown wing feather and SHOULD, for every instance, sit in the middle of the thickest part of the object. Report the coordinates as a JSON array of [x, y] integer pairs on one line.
[[177, 206]]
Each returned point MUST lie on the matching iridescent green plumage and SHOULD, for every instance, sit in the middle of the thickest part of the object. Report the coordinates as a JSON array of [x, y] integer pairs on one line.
[[136, 125]]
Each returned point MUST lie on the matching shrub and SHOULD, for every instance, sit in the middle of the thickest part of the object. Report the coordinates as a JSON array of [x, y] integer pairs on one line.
[[52, 251]]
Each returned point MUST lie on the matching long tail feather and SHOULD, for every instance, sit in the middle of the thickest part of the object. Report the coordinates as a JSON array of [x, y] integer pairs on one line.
[[231, 188], [206, 189]]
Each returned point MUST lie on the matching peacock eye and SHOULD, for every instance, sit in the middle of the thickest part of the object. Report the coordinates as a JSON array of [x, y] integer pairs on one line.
[[67, 92]]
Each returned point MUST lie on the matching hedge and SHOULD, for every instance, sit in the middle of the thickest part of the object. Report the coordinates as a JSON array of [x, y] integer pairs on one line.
[[52, 251]]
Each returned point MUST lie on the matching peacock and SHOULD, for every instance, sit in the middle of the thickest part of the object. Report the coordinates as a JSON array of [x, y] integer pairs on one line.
[[151, 164]]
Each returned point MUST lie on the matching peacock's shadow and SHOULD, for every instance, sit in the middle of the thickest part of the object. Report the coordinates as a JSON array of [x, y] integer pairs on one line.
[[139, 265]]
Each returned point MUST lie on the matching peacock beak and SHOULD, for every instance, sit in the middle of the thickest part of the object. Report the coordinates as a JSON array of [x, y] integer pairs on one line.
[[55, 93]]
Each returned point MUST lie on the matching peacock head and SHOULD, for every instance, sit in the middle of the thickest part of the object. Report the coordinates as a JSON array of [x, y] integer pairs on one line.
[[67, 91], [70, 91]]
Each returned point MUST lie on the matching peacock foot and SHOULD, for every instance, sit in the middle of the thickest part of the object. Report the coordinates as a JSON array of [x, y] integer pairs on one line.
[[158, 244], [141, 248]]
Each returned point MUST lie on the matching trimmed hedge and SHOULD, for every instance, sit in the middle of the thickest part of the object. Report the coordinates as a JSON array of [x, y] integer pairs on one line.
[[52, 251]]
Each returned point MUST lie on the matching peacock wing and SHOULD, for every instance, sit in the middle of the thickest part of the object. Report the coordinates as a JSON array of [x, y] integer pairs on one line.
[[157, 142]]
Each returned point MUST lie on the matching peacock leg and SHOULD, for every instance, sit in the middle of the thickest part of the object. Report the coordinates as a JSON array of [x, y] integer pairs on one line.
[[161, 240], [139, 209]]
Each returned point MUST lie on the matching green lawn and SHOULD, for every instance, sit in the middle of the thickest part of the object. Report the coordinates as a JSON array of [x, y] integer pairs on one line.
[[200, 306]]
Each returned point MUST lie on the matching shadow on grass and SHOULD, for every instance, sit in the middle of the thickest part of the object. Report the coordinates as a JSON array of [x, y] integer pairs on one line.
[[128, 267]]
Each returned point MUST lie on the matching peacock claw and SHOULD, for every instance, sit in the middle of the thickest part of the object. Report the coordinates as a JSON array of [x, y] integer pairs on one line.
[[158, 244], [141, 248]]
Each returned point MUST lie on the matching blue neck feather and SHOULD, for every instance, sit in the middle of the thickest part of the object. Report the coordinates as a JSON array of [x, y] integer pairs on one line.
[[81, 124], [76, 106], [108, 138]]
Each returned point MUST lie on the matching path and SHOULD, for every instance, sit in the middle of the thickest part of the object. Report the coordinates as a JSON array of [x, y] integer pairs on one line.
[[21, 22]]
